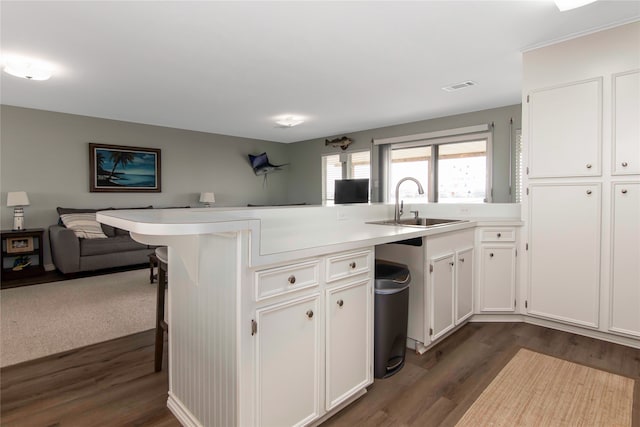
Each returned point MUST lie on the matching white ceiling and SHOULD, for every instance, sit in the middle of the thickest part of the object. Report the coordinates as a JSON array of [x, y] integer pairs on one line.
[[234, 67]]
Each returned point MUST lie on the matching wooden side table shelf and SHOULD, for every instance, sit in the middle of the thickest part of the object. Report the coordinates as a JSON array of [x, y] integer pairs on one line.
[[23, 247]]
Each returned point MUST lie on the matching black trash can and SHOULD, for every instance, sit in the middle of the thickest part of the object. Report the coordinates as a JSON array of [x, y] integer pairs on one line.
[[391, 313]]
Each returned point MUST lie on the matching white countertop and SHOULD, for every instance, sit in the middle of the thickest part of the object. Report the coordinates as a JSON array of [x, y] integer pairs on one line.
[[284, 234]]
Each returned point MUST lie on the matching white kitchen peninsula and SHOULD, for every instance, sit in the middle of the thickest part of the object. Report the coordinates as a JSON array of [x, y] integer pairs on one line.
[[270, 310]]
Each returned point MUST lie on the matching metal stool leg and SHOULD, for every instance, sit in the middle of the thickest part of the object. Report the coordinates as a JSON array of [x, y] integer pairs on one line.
[[161, 325]]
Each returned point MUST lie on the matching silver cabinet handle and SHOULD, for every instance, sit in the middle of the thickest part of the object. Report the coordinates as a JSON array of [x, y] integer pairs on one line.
[[624, 191], [499, 235], [340, 303], [352, 265], [588, 191], [491, 255], [461, 259], [451, 264], [588, 165], [309, 314], [291, 279], [625, 164]]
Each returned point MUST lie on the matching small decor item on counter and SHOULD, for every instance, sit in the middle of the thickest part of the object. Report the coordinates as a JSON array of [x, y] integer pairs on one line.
[[120, 169], [343, 142]]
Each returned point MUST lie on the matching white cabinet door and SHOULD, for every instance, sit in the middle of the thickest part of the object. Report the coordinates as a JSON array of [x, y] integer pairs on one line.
[[625, 285], [626, 123], [497, 277], [565, 130], [564, 252], [464, 284], [442, 293], [288, 363], [349, 341]]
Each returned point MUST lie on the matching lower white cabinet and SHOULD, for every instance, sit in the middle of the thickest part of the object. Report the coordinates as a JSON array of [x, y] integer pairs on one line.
[[288, 352], [449, 281], [625, 276], [348, 340], [497, 281], [312, 346], [564, 252]]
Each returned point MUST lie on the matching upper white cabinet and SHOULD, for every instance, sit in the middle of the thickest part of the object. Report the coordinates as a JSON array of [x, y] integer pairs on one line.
[[565, 134], [564, 252], [625, 256], [626, 123]]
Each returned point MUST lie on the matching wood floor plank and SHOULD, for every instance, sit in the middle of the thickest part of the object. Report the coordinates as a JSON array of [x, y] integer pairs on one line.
[[113, 383]]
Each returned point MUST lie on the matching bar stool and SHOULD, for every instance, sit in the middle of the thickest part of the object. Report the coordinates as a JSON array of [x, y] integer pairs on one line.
[[161, 325]]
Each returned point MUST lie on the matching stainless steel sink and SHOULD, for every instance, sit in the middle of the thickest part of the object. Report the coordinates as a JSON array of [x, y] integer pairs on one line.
[[418, 222]]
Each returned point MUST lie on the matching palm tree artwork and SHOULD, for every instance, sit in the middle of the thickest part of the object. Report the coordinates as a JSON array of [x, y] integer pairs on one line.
[[120, 157]]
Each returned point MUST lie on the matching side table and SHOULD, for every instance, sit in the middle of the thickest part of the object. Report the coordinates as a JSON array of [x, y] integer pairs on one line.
[[22, 253]]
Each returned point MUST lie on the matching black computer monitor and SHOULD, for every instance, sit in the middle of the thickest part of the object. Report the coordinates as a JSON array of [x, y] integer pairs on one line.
[[351, 191]]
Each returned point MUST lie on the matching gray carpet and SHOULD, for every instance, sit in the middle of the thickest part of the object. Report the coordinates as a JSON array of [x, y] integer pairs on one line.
[[45, 319]]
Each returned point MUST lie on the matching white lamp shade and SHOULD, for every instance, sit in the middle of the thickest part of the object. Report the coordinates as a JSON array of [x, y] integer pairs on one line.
[[207, 198], [17, 198]]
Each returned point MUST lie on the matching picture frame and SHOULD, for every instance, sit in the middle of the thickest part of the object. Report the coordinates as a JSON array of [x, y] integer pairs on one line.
[[18, 245], [124, 169]]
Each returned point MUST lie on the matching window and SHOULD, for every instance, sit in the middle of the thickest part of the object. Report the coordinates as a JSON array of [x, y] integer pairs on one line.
[[352, 165], [451, 170]]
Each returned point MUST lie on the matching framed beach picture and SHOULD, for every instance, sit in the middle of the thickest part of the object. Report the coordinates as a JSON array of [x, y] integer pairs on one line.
[[116, 168]]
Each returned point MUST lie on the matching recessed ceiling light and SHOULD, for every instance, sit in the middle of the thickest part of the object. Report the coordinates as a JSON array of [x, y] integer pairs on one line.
[[571, 4], [29, 69], [458, 86], [289, 121]]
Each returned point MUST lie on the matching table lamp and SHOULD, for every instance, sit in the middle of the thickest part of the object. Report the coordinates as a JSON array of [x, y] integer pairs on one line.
[[18, 199], [207, 199]]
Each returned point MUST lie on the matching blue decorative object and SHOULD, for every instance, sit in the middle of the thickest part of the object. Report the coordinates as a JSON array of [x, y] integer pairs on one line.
[[261, 165]]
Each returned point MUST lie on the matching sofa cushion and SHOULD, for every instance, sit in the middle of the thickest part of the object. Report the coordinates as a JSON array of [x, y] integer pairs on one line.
[[108, 230], [84, 225], [115, 244]]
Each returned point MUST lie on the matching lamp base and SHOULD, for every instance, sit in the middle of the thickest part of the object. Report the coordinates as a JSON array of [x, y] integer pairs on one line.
[[18, 219]]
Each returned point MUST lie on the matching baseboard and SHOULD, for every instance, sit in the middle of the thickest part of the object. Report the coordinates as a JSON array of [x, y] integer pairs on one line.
[[183, 415]]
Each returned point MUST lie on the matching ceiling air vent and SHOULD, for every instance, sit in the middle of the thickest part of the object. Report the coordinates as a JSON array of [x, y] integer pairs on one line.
[[459, 86]]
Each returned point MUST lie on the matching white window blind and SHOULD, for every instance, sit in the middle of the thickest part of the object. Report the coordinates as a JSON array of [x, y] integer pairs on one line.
[[518, 170], [332, 171]]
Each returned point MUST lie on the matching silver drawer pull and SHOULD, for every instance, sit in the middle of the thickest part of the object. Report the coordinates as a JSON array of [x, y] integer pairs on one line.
[[340, 303], [461, 259], [588, 191], [499, 235], [352, 265], [625, 164], [291, 279], [624, 191], [491, 255], [310, 314], [588, 165]]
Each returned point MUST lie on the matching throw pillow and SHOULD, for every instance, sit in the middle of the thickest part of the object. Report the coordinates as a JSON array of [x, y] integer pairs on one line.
[[106, 229], [84, 225]]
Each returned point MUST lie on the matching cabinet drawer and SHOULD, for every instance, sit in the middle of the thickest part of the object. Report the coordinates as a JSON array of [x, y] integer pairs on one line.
[[498, 235], [280, 280], [347, 265]]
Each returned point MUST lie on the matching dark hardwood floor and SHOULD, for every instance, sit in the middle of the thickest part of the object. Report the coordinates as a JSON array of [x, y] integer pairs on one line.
[[113, 383]]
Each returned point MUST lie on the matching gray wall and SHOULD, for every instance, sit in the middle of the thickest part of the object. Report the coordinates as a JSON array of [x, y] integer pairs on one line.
[[46, 154], [305, 179]]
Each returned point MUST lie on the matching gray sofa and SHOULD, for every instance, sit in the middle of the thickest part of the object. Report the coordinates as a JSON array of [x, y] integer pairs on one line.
[[72, 254]]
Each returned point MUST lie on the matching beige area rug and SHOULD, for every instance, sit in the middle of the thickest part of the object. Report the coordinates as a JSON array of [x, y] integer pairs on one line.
[[538, 390], [45, 319]]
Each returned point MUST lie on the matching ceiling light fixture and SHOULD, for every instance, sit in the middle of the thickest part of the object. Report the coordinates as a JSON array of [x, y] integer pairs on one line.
[[28, 69], [289, 121], [571, 4]]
